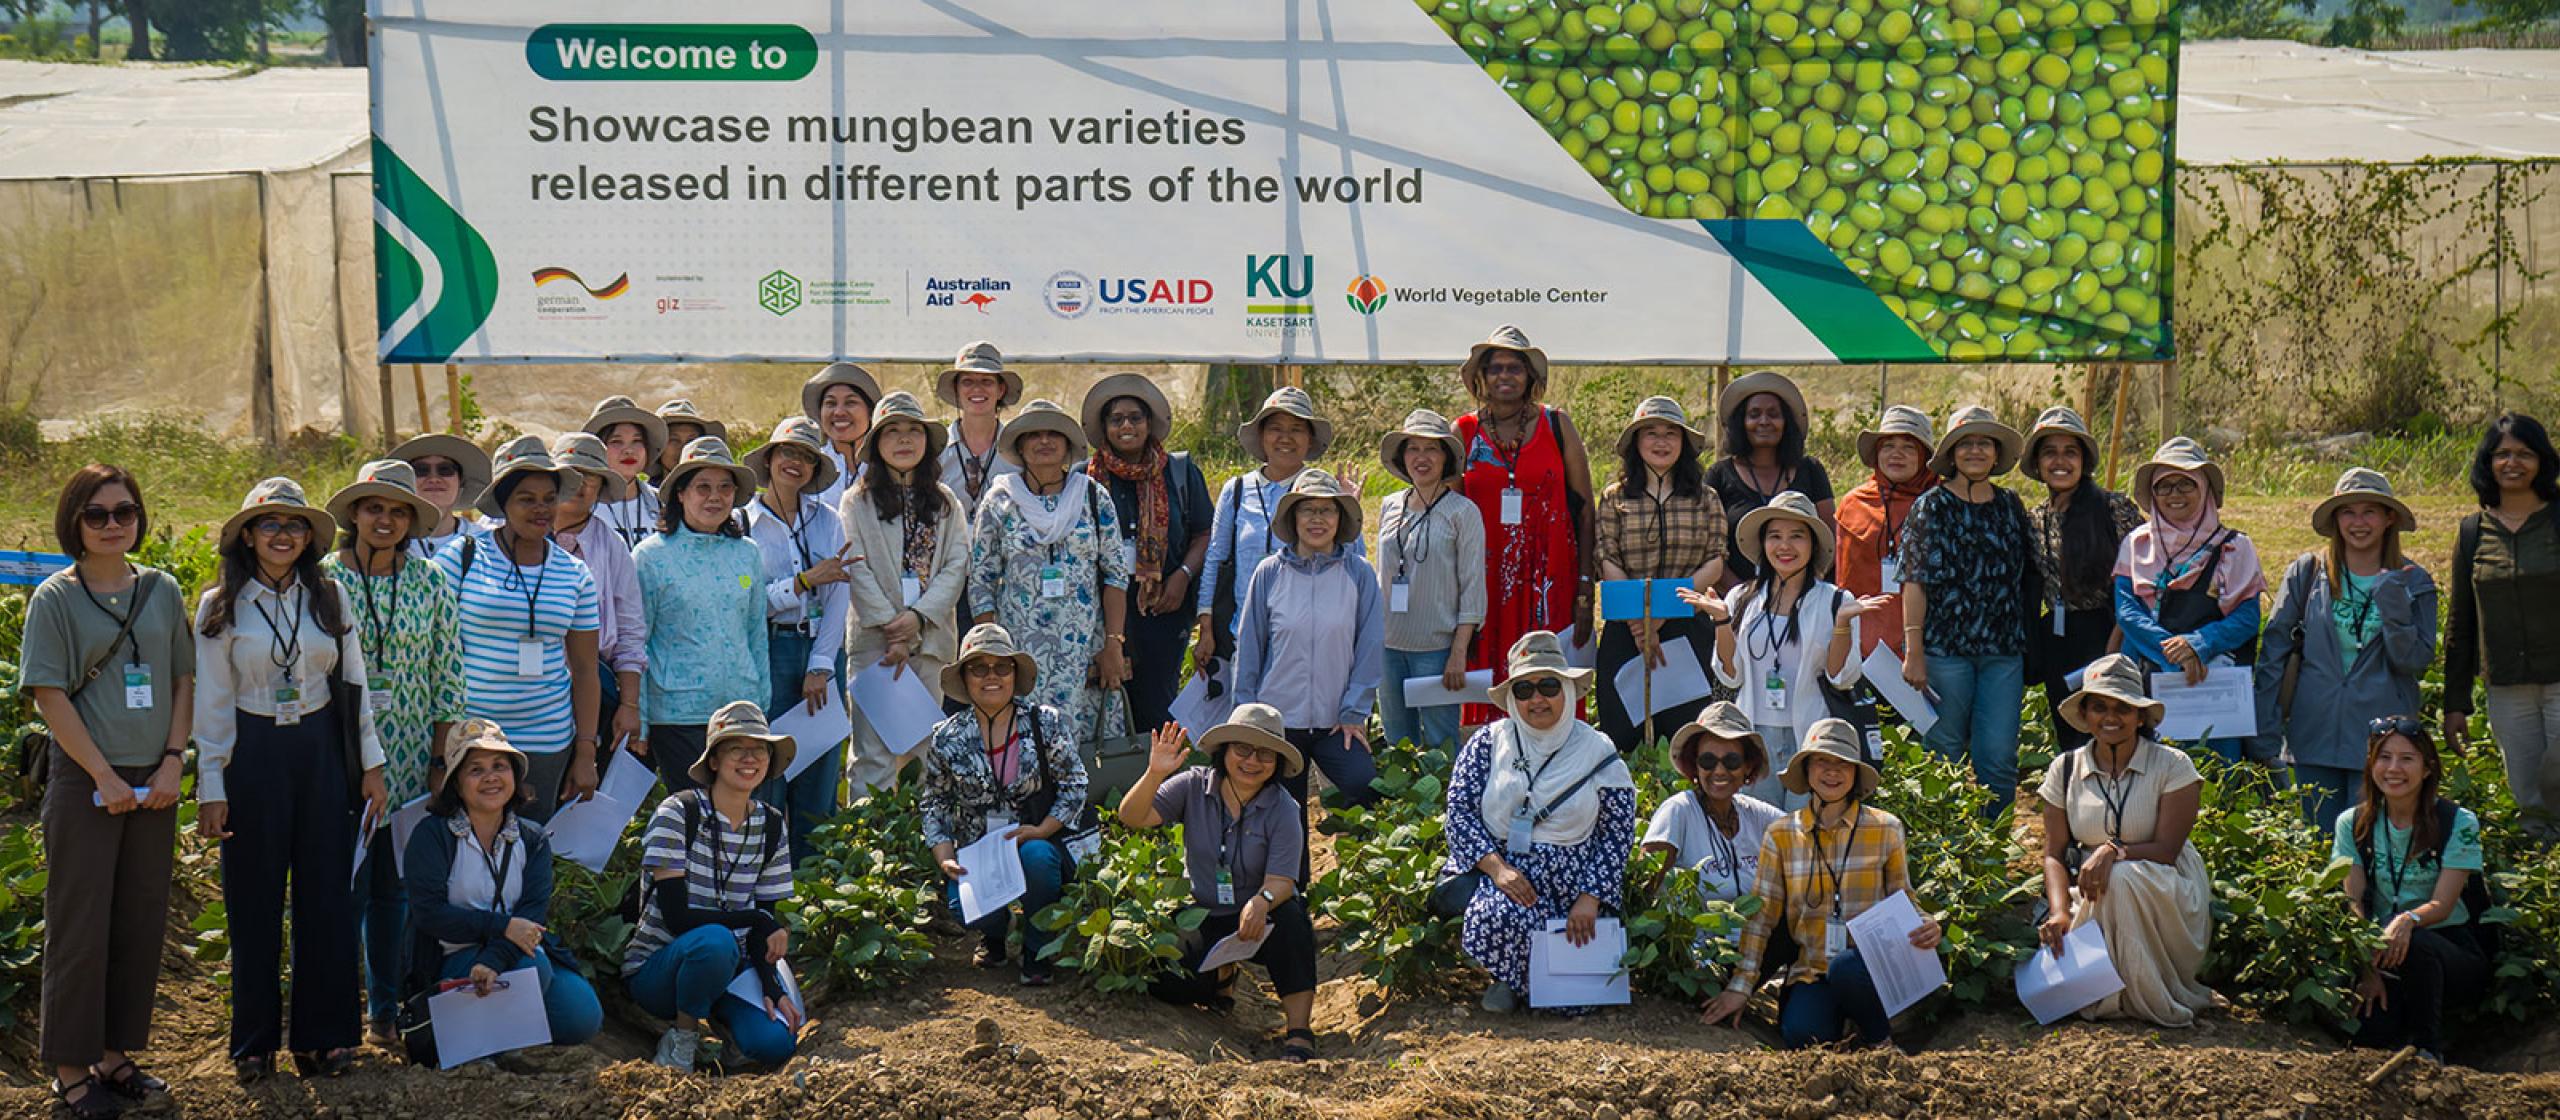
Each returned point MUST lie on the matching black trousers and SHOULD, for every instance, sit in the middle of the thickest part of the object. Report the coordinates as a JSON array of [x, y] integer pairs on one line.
[[673, 749], [1156, 646], [1288, 953], [2443, 964], [292, 823], [2051, 658], [1617, 647]]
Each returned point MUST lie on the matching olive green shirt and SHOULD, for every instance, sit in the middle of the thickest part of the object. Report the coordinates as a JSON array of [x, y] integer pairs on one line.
[[67, 632]]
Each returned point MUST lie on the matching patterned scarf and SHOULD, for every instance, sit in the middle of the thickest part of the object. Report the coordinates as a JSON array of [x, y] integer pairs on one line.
[[920, 532], [1154, 505]]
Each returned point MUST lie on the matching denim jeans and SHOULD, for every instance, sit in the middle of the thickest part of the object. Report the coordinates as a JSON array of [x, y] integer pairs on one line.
[[1815, 1012], [1978, 707], [568, 1001], [1433, 726], [812, 798], [382, 910], [1046, 867], [691, 976], [1349, 768], [2327, 791]]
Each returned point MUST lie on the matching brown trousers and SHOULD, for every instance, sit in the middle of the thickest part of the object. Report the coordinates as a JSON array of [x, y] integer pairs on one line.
[[106, 905]]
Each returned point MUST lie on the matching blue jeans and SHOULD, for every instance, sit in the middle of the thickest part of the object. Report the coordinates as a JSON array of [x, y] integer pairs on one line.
[[1433, 726], [1046, 867], [1814, 1012], [567, 999], [2327, 791], [691, 976], [382, 909], [812, 798], [1978, 706]]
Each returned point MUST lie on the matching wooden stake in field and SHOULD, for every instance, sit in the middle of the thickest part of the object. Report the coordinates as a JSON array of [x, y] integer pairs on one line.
[[418, 378], [452, 398], [2115, 429]]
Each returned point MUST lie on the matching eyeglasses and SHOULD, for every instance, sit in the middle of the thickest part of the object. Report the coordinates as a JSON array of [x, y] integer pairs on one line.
[[750, 749], [1541, 686], [281, 527], [98, 517], [2173, 486], [2406, 727], [1734, 762], [1242, 753], [439, 468], [988, 670]]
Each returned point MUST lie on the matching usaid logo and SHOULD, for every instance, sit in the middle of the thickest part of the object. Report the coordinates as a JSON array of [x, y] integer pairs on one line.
[[1069, 295]]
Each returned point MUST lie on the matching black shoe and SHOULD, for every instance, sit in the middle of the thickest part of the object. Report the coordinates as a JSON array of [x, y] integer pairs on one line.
[[989, 956], [128, 1080], [1037, 974]]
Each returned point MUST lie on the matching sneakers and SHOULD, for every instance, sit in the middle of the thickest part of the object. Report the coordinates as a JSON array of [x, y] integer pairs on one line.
[[1037, 974], [1500, 999], [677, 1047]]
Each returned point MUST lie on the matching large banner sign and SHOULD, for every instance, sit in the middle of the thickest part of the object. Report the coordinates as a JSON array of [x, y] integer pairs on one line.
[[1273, 180]]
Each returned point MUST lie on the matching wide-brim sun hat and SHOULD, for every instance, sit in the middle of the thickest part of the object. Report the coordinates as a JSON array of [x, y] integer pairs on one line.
[[2064, 421], [466, 736], [707, 453], [682, 411], [1720, 720], [585, 454], [903, 405], [2178, 454], [1789, 505], [800, 432], [1257, 725], [2118, 678], [1041, 415], [474, 462], [280, 496], [1314, 485], [1135, 386], [2360, 484], [1287, 400], [814, 391], [989, 641], [523, 456], [390, 480], [978, 357], [1504, 337], [1663, 410], [1975, 420], [1834, 739], [1421, 423], [741, 720], [1899, 420], [1540, 653], [623, 410], [1752, 384]]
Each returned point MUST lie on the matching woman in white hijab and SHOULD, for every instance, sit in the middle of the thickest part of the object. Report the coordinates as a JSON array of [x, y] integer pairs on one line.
[[1543, 808]]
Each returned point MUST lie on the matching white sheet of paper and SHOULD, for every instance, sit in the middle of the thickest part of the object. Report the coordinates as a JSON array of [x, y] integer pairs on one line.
[[1231, 949], [1426, 692], [469, 1025], [1902, 972], [1195, 711], [900, 710], [1578, 653], [585, 832], [2084, 974], [627, 778], [1561, 975], [2225, 706], [750, 987], [1680, 680], [99, 800], [405, 820], [813, 735], [994, 873], [1883, 669], [365, 824]]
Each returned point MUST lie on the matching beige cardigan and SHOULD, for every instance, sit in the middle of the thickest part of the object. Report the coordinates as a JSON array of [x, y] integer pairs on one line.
[[877, 597]]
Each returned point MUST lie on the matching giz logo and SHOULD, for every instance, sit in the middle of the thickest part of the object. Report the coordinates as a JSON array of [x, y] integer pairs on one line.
[[1275, 276], [1140, 290]]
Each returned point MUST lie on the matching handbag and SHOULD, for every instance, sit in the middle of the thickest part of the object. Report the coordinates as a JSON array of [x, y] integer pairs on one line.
[[1854, 705], [1450, 896], [35, 748], [1111, 762], [1081, 835]]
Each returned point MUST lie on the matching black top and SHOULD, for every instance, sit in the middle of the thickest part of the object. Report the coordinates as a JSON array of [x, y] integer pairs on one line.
[[1733, 486]]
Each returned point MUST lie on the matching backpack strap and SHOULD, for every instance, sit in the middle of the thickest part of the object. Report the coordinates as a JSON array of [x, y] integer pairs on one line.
[[470, 552]]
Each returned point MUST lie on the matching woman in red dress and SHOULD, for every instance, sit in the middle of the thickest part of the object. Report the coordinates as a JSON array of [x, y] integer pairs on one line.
[[1527, 474]]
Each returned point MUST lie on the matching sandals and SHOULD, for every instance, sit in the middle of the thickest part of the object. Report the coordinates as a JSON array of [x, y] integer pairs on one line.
[[313, 1064], [1299, 1045], [988, 956], [254, 1068], [129, 1081], [97, 1103]]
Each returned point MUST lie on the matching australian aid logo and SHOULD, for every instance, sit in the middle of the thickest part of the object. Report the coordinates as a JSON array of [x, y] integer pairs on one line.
[[1140, 295], [1276, 288]]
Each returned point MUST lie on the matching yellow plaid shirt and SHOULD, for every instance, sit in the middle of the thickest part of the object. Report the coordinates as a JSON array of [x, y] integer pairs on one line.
[[1795, 884]]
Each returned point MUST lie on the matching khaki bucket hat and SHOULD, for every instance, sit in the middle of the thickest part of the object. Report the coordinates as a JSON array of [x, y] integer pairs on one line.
[[1135, 386], [707, 453], [741, 719], [1899, 420], [480, 735], [803, 433], [978, 357], [1789, 505], [901, 405], [1041, 415], [2360, 484], [584, 453], [1538, 653], [1720, 720], [523, 455], [1663, 410], [464, 453], [1975, 420], [283, 496], [1754, 383], [1504, 337], [988, 641], [1257, 725], [2062, 420], [2116, 677], [391, 480], [623, 410], [1293, 401], [1421, 423], [682, 411], [1314, 485], [814, 390], [2178, 454], [1832, 738]]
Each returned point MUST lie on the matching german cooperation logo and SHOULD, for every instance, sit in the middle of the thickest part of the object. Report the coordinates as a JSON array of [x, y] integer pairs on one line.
[[778, 292]]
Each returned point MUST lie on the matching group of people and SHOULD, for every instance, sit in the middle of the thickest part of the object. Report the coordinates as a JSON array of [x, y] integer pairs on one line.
[[492, 633]]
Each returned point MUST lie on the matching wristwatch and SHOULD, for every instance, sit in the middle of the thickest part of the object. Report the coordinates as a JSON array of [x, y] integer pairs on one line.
[[1266, 896]]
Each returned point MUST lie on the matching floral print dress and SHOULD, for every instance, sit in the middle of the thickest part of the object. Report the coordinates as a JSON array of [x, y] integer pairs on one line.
[[1497, 930], [407, 623], [1062, 633]]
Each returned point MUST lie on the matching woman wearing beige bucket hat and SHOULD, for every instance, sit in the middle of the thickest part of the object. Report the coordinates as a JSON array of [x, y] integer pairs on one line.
[[1045, 560], [1245, 855], [840, 397], [1712, 826], [276, 779], [978, 384], [1762, 424], [910, 538], [705, 584], [1970, 586], [1872, 514], [1524, 466], [2187, 586], [1542, 812], [622, 633], [1659, 521], [634, 440], [1313, 634], [1431, 561], [1821, 866], [2353, 631], [1284, 435], [2116, 817], [685, 423], [2079, 527], [452, 474], [1165, 514], [807, 567]]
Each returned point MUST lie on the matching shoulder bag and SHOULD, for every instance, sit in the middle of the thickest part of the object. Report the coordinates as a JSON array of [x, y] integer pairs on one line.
[[1449, 898]]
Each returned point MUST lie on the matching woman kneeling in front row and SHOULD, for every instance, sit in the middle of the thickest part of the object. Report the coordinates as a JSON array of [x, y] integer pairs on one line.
[[2413, 855]]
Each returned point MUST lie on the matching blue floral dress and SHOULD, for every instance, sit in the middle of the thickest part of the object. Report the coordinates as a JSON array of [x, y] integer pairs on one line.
[[1062, 633], [1496, 931]]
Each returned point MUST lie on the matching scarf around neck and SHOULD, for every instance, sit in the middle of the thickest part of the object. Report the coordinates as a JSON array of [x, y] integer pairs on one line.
[[1048, 525]]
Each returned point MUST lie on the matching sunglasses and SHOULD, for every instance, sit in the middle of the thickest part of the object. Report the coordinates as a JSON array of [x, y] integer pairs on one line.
[[440, 468], [1125, 420], [988, 670], [1734, 762], [281, 527], [1542, 686], [2406, 727], [99, 517]]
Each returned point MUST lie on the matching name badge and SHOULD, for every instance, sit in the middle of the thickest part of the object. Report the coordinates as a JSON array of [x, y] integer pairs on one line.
[[1524, 824], [1773, 690], [528, 658], [1835, 939], [998, 824], [137, 687], [1399, 595], [1511, 505], [910, 589], [288, 698], [1226, 888], [379, 691], [1891, 568], [2057, 618], [1129, 556], [1053, 582]]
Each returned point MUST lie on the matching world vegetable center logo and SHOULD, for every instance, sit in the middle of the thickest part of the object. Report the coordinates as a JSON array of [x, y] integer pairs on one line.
[[1366, 294]]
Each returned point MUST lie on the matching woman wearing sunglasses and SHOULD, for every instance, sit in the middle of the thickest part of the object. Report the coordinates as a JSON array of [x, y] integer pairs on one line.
[[1712, 825], [1543, 808], [2414, 856], [119, 712], [2187, 586], [452, 474]]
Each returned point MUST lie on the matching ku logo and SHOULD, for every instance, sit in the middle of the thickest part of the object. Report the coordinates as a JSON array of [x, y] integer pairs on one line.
[[1280, 277]]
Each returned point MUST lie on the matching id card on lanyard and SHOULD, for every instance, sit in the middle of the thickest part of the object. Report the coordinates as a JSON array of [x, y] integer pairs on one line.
[[1835, 928], [137, 687]]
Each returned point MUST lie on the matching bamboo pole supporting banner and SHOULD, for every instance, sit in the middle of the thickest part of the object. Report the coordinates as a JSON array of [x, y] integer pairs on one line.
[[453, 398], [2115, 427], [418, 378]]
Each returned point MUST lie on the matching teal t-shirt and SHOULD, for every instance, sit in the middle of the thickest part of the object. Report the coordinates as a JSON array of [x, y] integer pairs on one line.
[[2354, 614], [2415, 881]]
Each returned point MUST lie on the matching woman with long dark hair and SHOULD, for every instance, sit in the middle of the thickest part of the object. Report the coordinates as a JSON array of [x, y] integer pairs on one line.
[[2078, 528], [2412, 855], [1762, 423], [2506, 594], [1659, 520], [910, 537]]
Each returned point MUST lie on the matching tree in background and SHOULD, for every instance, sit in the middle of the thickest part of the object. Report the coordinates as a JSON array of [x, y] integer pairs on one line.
[[346, 30], [137, 15], [2516, 13]]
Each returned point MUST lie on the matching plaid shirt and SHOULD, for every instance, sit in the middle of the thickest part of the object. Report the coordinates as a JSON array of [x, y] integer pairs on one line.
[[1665, 539], [1795, 883]]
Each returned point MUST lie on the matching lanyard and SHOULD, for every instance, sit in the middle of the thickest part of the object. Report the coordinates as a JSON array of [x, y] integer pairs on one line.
[[1893, 528], [1840, 870], [974, 468], [1227, 825], [1768, 624], [124, 622], [723, 865], [1510, 457], [1750, 477], [498, 871], [284, 643], [1723, 845], [2398, 868], [533, 594], [1416, 531], [799, 529], [2117, 798], [998, 753], [376, 632], [630, 521]]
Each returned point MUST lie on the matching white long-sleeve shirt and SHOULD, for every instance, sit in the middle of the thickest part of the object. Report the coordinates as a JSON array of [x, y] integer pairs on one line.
[[814, 534], [237, 672]]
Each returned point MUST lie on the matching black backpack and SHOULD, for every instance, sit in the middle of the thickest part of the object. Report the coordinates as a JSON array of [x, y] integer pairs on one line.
[[693, 801], [2477, 897]]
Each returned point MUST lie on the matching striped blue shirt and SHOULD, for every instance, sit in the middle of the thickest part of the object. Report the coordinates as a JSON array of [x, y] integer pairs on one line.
[[502, 602]]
